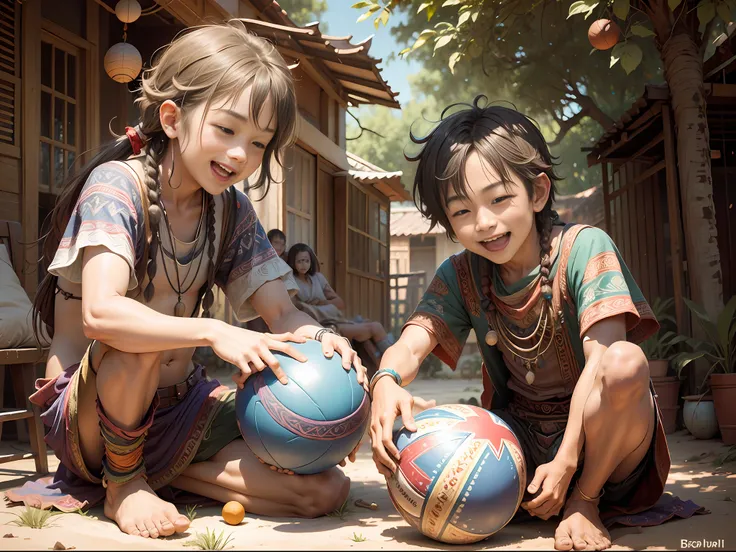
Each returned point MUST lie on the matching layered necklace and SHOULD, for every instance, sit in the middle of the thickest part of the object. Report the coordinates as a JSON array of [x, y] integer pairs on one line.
[[531, 348], [182, 287]]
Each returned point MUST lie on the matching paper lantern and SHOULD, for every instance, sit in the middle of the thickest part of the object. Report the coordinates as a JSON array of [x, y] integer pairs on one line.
[[123, 62], [128, 11]]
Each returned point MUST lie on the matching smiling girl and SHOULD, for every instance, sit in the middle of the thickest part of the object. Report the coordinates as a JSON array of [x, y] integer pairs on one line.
[[137, 241], [557, 314]]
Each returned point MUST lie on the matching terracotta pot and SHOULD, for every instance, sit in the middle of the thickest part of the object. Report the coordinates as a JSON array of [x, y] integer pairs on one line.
[[658, 368], [667, 390], [723, 387], [699, 416]]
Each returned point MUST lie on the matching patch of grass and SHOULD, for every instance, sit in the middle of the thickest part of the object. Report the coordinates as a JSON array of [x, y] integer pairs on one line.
[[35, 518], [85, 513], [192, 512], [210, 540], [727, 457], [358, 538], [342, 511]]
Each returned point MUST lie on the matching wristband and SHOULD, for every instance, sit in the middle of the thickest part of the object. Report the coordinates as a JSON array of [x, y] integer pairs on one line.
[[382, 373]]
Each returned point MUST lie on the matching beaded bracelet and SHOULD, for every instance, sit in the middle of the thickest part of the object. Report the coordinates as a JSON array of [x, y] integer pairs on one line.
[[322, 331]]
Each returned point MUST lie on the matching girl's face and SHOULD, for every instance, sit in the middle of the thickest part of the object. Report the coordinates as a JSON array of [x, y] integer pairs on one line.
[[221, 146], [302, 262], [496, 221], [279, 245]]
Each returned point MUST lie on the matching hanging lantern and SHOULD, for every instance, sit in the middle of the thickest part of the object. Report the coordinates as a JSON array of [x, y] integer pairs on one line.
[[123, 62], [128, 11]]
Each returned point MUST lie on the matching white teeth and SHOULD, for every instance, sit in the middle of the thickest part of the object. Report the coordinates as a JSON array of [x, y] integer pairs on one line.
[[225, 170], [494, 239]]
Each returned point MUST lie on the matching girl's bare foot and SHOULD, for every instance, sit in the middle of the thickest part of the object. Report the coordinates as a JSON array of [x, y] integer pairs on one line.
[[138, 511], [581, 527]]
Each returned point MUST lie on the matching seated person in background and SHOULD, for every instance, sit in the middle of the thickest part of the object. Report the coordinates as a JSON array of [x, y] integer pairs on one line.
[[278, 241], [317, 298]]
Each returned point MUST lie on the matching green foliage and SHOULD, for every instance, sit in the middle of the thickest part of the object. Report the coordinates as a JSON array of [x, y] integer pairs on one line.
[[666, 343], [191, 512], [342, 511], [210, 540], [35, 518], [302, 12], [524, 52], [358, 537], [719, 347]]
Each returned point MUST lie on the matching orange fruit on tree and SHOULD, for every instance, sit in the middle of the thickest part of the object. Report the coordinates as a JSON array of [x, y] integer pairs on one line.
[[603, 34], [233, 513]]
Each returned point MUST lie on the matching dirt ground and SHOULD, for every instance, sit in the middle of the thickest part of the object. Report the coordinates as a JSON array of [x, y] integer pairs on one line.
[[694, 475]]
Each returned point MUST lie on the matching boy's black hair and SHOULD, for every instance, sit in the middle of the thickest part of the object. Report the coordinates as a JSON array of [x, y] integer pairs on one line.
[[507, 141]]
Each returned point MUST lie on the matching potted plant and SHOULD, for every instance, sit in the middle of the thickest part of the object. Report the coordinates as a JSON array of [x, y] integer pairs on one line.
[[659, 348], [719, 349]]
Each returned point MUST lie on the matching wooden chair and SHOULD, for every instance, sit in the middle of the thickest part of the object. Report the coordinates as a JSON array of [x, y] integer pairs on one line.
[[21, 363]]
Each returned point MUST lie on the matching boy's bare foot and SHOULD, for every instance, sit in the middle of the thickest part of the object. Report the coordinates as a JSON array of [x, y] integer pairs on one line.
[[138, 511], [581, 527]]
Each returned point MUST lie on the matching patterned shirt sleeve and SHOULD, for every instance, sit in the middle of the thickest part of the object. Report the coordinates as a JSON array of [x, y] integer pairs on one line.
[[108, 213], [249, 262], [442, 313], [602, 286]]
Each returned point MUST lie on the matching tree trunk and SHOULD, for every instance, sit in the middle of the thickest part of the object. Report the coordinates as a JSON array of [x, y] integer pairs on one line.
[[683, 69], [594, 112]]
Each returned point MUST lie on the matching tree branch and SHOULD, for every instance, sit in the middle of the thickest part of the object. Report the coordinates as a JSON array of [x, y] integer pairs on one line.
[[566, 125], [362, 128]]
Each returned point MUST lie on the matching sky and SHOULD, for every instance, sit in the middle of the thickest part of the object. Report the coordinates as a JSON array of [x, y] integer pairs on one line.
[[340, 18]]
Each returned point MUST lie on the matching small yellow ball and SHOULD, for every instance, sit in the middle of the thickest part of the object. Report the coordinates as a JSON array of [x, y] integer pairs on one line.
[[233, 513]]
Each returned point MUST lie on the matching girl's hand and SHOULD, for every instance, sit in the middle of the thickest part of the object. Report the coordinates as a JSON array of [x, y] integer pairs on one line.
[[553, 478], [251, 351], [389, 401], [333, 343]]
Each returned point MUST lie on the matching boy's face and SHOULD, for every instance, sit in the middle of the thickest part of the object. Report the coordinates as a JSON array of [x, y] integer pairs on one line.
[[279, 245], [494, 221]]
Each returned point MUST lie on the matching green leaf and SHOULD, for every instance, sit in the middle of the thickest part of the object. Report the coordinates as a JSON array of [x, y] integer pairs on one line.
[[454, 58], [706, 12], [424, 6], [431, 10], [641, 30], [385, 14], [405, 51], [582, 6], [673, 4], [724, 12], [463, 18], [631, 56], [621, 8], [423, 37], [362, 4], [452, 3], [725, 320], [373, 9], [705, 322], [444, 40], [475, 16]]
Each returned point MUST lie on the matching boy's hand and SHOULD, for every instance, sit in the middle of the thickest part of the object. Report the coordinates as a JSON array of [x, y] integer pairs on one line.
[[389, 401], [553, 479]]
